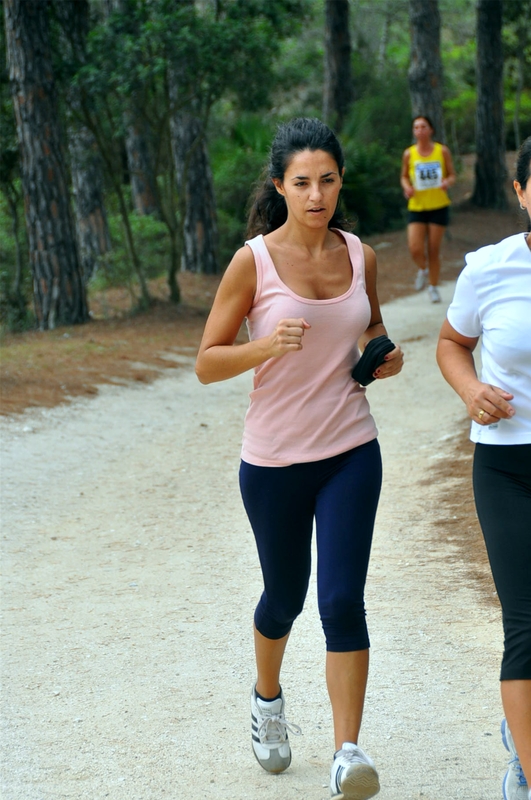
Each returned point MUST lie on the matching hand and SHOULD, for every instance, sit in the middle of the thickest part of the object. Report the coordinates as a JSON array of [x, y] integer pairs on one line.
[[488, 404], [287, 337], [409, 191], [445, 184], [393, 363]]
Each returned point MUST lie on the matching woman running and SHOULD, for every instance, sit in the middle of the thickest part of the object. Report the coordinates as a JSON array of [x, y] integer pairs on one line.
[[427, 172], [493, 300], [307, 289]]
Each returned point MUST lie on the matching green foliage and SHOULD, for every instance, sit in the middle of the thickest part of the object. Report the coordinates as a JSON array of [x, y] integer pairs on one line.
[[375, 134], [381, 36], [460, 119], [238, 159], [517, 89], [299, 69], [382, 114], [242, 66], [15, 314], [226, 47], [151, 238], [371, 191], [524, 118], [222, 50]]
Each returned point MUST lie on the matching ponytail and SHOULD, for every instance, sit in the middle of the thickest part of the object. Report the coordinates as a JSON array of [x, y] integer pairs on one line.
[[268, 210]]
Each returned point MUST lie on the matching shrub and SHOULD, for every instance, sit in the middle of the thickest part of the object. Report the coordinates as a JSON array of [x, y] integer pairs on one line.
[[371, 188]]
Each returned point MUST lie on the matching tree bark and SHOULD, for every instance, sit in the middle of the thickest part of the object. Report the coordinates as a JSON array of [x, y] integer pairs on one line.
[[425, 71], [58, 287], [85, 162], [491, 170], [139, 161], [338, 85], [195, 186], [87, 180], [139, 158]]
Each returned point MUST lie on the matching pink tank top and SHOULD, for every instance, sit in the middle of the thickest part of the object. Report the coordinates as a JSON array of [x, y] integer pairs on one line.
[[305, 406]]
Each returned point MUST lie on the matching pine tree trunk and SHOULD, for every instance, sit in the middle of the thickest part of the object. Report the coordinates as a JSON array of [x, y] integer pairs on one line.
[[491, 171], [143, 188], [91, 217], [195, 186], [85, 162], [59, 290], [139, 159], [425, 71], [338, 86]]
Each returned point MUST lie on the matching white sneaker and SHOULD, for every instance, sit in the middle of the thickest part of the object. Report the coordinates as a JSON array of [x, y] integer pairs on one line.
[[433, 292], [353, 775], [514, 784], [270, 733], [420, 280]]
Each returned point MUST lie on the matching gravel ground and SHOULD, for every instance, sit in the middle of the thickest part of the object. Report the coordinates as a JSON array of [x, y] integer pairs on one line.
[[130, 578]]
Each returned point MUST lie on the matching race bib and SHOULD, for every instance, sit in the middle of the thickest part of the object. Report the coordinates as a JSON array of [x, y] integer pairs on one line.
[[428, 175]]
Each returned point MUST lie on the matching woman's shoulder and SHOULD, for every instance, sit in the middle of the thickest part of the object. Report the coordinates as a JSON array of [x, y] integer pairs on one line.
[[242, 263], [348, 235], [353, 242], [440, 149], [495, 253], [253, 242]]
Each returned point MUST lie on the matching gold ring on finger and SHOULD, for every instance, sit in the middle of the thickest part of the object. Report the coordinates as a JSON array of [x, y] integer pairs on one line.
[[481, 413]]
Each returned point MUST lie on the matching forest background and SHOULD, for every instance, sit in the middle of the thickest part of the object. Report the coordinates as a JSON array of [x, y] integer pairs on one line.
[[133, 131]]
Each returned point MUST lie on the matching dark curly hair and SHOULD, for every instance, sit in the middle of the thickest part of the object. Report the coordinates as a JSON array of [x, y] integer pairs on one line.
[[523, 166], [523, 163], [268, 210]]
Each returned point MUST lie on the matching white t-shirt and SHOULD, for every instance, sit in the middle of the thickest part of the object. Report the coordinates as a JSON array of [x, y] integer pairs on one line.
[[493, 300]]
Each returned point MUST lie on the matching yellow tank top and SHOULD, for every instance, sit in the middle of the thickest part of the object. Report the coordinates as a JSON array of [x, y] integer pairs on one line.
[[426, 174]]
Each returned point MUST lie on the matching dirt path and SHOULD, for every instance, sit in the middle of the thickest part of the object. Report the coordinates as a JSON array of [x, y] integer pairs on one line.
[[130, 579]]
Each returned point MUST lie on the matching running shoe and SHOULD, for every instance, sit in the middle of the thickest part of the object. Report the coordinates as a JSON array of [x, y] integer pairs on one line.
[[353, 775], [514, 784], [433, 292], [270, 733], [420, 280]]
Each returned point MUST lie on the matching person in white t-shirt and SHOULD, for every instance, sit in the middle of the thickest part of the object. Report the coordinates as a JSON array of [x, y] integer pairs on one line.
[[493, 301]]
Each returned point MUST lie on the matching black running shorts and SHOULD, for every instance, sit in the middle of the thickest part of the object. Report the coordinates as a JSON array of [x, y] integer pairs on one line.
[[438, 216]]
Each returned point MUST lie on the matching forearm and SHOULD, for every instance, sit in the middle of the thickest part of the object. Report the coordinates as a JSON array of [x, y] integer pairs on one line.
[[406, 184], [377, 329], [485, 403], [221, 362], [457, 366], [447, 182]]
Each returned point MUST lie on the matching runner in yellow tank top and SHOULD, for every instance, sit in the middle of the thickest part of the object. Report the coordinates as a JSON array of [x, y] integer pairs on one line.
[[427, 172]]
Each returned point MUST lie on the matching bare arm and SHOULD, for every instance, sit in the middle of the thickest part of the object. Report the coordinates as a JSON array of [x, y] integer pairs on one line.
[[450, 171], [219, 358], [456, 362], [408, 188], [395, 359]]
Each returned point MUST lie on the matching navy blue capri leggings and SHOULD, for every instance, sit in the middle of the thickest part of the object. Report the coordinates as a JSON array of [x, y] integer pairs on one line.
[[341, 493], [502, 490]]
